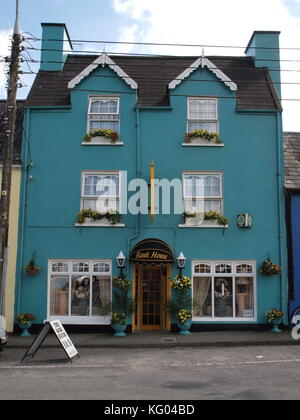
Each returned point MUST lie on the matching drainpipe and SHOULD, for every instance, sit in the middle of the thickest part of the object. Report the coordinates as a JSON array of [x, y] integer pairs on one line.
[[280, 180], [23, 209], [138, 175]]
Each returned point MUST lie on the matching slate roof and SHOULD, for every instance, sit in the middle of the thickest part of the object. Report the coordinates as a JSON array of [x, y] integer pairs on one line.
[[292, 160], [153, 74], [19, 130]]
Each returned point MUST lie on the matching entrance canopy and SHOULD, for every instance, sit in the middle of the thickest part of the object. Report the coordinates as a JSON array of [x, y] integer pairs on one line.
[[152, 252]]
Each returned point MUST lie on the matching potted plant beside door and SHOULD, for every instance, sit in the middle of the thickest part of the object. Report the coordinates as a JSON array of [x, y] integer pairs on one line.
[[181, 305], [122, 305]]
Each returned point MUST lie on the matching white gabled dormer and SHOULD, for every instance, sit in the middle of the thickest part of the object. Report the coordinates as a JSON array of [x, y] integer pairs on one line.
[[201, 63], [103, 60]]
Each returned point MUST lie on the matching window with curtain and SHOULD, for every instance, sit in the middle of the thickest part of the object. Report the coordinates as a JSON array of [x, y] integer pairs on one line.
[[82, 290], [203, 192], [224, 290], [103, 113], [202, 114], [100, 192]]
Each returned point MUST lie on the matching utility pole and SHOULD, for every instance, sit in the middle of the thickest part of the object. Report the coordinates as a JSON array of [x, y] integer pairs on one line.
[[9, 136]]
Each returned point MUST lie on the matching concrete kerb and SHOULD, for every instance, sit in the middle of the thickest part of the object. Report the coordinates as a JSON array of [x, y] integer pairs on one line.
[[135, 341]]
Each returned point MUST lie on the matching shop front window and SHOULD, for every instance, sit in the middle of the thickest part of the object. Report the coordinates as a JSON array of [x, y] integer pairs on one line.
[[84, 291], [227, 293]]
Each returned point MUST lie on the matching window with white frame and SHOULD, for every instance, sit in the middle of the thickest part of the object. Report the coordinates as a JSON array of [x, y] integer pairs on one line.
[[100, 191], [103, 113], [203, 192], [202, 114], [224, 290], [79, 288]]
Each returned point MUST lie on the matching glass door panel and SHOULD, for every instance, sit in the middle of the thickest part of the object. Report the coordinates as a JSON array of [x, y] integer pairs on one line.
[[152, 296]]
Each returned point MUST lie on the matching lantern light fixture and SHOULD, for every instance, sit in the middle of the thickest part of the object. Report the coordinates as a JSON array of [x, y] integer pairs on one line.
[[181, 261], [121, 260]]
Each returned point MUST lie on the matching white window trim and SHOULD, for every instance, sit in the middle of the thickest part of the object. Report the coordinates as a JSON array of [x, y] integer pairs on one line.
[[216, 120], [88, 129], [74, 320], [202, 145], [207, 223], [82, 197], [219, 174], [234, 274]]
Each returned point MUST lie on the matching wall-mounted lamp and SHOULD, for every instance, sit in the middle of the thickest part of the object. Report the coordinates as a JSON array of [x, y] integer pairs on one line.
[[121, 261], [181, 261]]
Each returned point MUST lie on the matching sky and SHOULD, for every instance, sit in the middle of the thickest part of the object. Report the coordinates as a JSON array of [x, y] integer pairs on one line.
[[211, 23]]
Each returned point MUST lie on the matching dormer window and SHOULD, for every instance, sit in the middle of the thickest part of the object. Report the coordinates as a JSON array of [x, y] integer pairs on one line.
[[202, 114], [103, 113]]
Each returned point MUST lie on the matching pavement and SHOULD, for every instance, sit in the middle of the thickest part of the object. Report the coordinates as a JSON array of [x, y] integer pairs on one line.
[[161, 339]]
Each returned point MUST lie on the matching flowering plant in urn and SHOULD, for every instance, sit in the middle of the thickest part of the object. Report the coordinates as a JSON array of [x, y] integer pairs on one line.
[[118, 318], [25, 318], [183, 315], [274, 315]]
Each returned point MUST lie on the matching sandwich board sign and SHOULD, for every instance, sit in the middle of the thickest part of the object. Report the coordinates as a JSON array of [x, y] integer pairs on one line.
[[61, 335]]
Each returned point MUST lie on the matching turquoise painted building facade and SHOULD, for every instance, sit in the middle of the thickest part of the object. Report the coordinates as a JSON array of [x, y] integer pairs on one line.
[[152, 102]]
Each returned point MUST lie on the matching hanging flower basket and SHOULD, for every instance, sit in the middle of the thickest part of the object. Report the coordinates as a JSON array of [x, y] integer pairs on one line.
[[121, 283], [32, 269], [270, 269], [181, 283]]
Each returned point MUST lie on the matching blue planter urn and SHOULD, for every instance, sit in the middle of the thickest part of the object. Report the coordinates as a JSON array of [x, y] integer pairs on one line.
[[25, 328], [275, 324], [184, 328], [119, 329]]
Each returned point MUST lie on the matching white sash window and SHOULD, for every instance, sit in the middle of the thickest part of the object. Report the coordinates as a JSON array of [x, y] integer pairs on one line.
[[103, 113], [100, 191], [203, 192], [202, 114]]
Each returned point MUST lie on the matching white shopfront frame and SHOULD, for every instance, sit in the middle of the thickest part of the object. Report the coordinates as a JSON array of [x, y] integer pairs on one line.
[[71, 319], [234, 264]]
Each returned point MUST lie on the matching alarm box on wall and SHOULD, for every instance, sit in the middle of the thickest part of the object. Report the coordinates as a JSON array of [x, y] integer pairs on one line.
[[244, 220]]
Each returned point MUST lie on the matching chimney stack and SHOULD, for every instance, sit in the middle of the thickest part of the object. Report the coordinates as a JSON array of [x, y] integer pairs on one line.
[[264, 48], [55, 42]]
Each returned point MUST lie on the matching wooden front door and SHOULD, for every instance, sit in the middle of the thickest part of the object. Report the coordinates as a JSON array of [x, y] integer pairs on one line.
[[152, 286]]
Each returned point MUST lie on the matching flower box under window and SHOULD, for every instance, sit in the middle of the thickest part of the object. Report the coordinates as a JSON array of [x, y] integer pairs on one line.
[[202, 137], [90, 217], [211, 218], [101, 137]]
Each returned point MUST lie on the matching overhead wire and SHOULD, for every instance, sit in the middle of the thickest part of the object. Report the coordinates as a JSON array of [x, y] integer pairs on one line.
[[147, 54], [96, 54], [162, 44], [164, 66]]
